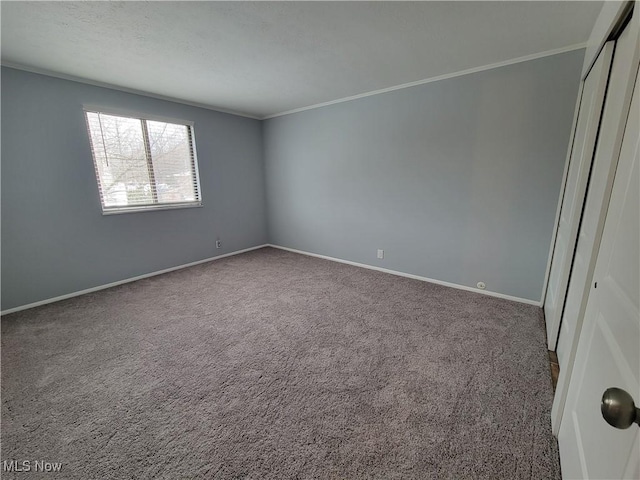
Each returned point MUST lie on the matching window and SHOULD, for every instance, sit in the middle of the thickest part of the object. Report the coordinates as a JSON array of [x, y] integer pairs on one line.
[[143, 164]]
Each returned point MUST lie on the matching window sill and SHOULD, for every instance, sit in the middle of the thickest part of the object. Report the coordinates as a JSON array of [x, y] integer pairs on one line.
[[150, 208]]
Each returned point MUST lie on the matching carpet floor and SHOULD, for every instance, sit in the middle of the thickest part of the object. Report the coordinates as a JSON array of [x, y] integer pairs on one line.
[[271, 365]]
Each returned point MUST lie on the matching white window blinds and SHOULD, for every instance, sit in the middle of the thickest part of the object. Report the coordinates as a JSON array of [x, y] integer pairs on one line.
[[143, 164]]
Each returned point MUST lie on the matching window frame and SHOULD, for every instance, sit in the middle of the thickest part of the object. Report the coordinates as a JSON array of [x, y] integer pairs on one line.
[[136, 115]]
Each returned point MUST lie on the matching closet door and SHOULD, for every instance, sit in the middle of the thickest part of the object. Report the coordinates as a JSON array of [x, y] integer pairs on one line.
[[608, 354], [616, 110], [584, 141]]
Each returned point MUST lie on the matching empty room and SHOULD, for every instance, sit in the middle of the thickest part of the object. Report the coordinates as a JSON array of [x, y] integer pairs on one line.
[[320, 240]]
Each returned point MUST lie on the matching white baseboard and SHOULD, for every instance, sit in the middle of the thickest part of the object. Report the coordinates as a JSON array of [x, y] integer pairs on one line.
[[415, 277], [325, 257], [127, 280]]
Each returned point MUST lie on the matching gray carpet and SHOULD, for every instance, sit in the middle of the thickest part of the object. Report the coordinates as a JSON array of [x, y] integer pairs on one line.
[[275, 365]]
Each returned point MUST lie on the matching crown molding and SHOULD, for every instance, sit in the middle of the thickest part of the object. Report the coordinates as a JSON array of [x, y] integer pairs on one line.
[[438, 78], [95, 83], [460, 73]]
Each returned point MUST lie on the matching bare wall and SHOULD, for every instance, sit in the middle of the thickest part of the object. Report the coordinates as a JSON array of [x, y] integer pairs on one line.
[[55, 240], [457, 180]]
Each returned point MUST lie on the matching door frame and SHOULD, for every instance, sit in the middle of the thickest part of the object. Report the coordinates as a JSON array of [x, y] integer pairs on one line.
[[616, 109]]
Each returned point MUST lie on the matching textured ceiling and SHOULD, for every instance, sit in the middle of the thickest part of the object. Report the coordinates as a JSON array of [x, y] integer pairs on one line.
[[264, 58]]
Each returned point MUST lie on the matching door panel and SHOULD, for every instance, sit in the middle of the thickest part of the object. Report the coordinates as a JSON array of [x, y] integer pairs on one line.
[[633, 466], [597, 199], [608, 353], [614, 118], [575, 189]]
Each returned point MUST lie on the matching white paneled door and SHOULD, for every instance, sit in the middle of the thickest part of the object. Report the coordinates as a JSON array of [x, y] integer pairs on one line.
[[593, 93], [614, 118], [608, 353]]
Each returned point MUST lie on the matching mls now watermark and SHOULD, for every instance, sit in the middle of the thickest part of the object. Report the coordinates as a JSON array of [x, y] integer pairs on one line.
[[31, 466]]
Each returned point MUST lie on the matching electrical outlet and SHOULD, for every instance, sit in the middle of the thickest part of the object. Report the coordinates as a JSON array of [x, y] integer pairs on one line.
[[481, 285], [380, 253], [218, 244]]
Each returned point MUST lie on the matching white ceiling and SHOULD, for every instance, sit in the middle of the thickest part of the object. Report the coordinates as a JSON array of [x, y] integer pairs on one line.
[[265, 58]]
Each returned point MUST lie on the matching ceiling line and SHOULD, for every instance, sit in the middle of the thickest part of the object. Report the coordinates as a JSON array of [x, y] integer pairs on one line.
[[96, 83], [460, 73]]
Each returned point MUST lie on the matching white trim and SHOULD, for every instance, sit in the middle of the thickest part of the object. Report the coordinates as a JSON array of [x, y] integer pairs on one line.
[[301, 252], [410, 275], [126, 280], [613, 11], [73, 78], [96, 83], [469, 71]]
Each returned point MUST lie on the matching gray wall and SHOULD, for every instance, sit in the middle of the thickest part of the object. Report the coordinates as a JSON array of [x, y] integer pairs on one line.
[[54, 238], [457, 180]]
